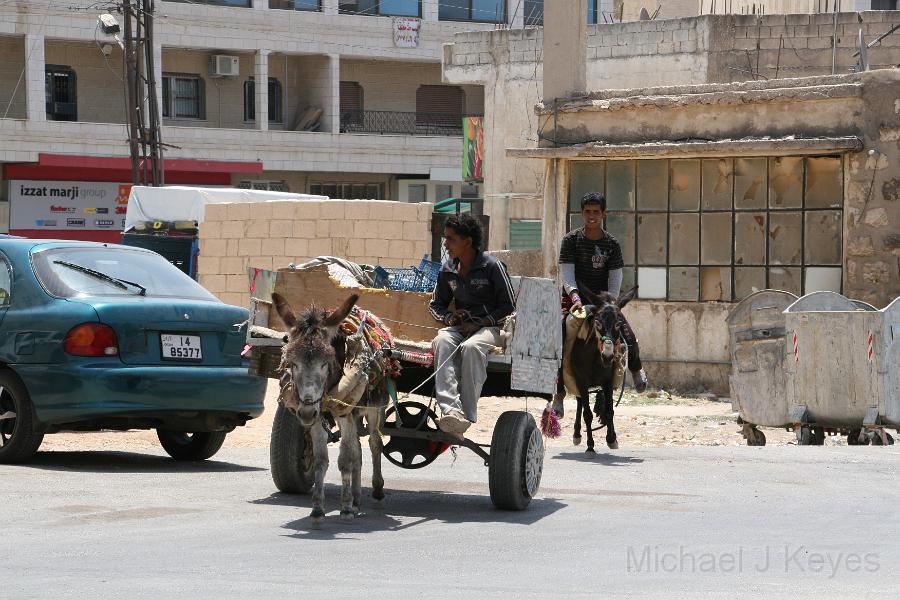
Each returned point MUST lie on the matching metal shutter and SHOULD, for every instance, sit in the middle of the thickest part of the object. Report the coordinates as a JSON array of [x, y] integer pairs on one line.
[[524, 235]]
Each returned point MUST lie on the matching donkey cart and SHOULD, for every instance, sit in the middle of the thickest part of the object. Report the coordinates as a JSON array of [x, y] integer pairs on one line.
[[527, 366]]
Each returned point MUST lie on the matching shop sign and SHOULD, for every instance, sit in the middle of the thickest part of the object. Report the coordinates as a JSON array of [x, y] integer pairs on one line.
[[66, 204]]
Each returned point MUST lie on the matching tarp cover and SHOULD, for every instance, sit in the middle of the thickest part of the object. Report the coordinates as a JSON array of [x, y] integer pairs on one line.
[[182, 203]]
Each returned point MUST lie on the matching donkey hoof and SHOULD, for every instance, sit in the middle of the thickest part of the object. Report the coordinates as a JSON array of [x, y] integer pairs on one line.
[[576, 440], [347, 516], [317, 513], [613, 445], [378, 495], [590, 451]]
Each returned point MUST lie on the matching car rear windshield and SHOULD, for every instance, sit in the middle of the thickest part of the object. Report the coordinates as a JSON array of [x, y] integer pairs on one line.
[[64, 273]]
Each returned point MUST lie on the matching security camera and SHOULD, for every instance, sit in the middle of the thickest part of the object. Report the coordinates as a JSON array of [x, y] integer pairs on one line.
[[108, 24]]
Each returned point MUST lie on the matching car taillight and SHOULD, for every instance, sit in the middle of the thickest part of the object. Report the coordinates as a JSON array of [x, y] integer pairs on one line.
[[91, 339]]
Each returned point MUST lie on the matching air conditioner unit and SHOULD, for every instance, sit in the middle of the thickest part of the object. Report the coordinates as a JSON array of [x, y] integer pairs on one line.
[[221, 65]]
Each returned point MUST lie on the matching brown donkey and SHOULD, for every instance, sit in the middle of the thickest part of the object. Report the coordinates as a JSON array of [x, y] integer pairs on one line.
[[315, 355]]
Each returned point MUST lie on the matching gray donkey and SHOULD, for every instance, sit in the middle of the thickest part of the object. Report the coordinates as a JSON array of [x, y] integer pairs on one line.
[[315, 355]]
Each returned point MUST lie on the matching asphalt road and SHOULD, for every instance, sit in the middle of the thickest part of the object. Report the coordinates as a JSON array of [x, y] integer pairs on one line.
[[793, 522]]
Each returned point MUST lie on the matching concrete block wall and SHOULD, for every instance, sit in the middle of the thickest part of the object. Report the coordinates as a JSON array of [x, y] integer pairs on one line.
[[271, 235]]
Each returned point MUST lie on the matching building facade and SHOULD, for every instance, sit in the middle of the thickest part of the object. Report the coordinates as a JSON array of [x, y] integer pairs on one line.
[[354, 105]]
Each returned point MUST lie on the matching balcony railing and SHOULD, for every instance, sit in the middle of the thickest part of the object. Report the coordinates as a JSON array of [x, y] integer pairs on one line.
[[401, 123]]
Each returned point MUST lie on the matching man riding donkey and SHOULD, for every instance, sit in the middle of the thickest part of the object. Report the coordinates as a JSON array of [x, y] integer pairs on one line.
[[480, 290], [592, 258]]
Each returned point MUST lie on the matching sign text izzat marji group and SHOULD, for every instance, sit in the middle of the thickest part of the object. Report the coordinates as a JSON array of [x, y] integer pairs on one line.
[[40, 204]]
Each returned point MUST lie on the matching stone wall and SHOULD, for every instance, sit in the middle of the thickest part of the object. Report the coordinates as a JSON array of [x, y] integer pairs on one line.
[[699, 50], [271, 235]]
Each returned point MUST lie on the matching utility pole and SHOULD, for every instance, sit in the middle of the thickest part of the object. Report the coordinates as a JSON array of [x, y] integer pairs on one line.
[[142, 106]]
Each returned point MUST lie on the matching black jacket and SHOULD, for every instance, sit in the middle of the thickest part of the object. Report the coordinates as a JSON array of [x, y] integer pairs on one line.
[[486, 291]]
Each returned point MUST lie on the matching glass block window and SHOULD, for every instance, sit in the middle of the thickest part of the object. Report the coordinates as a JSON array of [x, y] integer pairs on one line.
[[718, 229]]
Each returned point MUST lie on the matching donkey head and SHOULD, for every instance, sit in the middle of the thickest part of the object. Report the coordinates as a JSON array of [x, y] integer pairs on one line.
[[314, 352], [604, 310]]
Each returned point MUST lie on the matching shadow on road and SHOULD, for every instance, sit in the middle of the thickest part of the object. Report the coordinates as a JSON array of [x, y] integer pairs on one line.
[[126, 462], [403, 509], [603, 458]]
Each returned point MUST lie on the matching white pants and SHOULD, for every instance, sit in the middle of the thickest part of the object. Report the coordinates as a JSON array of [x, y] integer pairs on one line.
[[457, 384]]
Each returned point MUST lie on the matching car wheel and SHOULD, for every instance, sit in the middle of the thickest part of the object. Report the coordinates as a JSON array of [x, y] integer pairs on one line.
[[182, 445], [18, 439]]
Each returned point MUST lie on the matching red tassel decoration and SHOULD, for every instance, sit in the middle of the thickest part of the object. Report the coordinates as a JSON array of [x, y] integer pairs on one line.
[[550, 425]]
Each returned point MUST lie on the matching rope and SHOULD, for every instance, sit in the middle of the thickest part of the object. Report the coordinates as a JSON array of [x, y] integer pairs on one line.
[[411, 324]]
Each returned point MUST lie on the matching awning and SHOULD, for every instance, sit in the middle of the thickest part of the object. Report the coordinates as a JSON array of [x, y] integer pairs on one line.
[[751, 146], [72, 167]]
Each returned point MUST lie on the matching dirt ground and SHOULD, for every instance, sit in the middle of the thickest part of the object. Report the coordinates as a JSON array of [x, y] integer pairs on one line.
[[655, 419]]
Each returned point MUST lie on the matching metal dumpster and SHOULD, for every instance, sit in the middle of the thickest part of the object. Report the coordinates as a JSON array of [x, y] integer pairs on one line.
[[841, 368], [758, 348]]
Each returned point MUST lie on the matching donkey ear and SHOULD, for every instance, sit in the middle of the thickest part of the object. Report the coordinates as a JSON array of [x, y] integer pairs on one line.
[[284, 310], [590, 296], [626, 298], [337, 316]]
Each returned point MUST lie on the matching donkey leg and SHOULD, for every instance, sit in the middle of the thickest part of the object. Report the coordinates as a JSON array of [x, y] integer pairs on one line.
[[320, 458], [576, 436], [375, 419], [356, 489], [588, 418], [346, 463], [609, 410]]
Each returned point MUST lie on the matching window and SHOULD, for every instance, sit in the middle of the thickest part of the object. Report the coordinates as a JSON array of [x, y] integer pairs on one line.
[[534, 13], [442, 192], [884, 4], [396, 8], [60, 93], [348, 191], [351, 103], [418, 193], [524, 235], [486, 11], [182, 96], [5, 283], [276, 114], [269, 186], [718, 229], [233, 3], [308, 5]]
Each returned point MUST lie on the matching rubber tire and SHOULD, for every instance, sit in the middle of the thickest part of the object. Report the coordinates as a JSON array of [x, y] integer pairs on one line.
[[286, 452], [818, 436], [758, 439], [853, 438], [25, 441], [506, 471], [876, 440], [200, 446]]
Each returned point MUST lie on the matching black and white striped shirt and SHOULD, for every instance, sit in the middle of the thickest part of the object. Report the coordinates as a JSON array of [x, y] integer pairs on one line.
[[593, 259]]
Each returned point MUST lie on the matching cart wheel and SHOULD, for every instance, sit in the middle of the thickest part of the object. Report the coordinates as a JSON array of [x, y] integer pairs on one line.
[[756, 438], [877, 441], [517, 461], [818, 436], [290, 454], [854, 439], [411, 453], [804, 436]]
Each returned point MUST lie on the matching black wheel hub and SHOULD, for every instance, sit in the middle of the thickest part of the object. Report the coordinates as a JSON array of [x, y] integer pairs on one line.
[[411, 453], [7, 417]]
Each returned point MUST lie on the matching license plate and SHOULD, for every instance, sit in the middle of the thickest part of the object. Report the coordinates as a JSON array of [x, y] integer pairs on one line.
[[180, 347]]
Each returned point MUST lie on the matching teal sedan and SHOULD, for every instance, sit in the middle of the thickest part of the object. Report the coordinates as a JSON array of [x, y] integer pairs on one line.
[[106, 337]]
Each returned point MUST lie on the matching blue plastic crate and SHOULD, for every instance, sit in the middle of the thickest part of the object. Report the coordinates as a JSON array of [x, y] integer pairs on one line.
[[409, 279]]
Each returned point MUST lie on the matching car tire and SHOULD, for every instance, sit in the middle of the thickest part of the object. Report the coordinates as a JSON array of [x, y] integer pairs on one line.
[[182, 445], [18, 439]]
